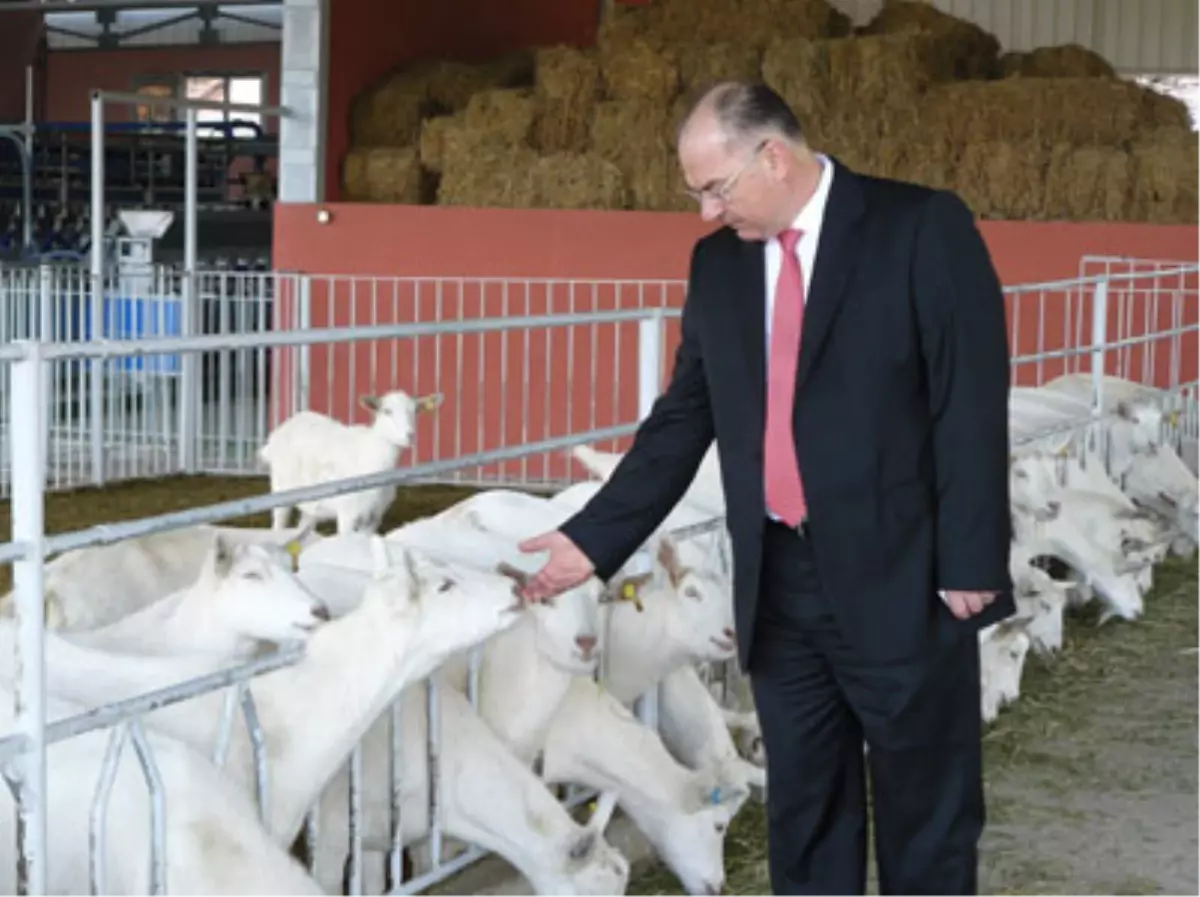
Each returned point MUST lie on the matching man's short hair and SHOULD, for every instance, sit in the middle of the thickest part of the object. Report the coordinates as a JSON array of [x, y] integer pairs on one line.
[[747, 109]]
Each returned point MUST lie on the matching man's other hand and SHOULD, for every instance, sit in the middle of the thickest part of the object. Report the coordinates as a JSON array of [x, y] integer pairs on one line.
[[968, 604]]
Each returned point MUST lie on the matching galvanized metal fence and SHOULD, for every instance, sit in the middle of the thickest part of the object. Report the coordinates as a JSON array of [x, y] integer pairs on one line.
[[29, 397]]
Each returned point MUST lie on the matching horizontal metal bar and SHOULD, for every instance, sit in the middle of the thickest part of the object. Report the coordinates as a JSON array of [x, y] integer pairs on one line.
[[1047, 354], [1097, 278], [114, 532], [316, 336], [442, 871], [93, 5], [140, 99], [118, 711]]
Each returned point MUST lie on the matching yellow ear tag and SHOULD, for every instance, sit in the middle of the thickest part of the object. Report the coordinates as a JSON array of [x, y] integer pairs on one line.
[[293, 548], [629, 592]]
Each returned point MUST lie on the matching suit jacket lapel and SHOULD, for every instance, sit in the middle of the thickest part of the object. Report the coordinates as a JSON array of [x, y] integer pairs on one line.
[[751, 314], [836, 255]]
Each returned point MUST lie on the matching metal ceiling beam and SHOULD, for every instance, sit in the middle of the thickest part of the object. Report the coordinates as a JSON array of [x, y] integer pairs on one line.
[[92, 5]]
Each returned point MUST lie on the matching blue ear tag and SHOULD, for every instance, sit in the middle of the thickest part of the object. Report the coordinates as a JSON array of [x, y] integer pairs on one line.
[[716, 795]]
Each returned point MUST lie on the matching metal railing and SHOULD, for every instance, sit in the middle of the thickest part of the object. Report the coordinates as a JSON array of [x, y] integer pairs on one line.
[[29, 395]]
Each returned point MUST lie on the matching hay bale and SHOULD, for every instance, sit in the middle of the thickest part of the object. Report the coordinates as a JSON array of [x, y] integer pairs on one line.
[[702, 63], [506, 113], [961, 50], [1165, 178], [1088, 183], [1003, 179], [487, 175], [1063, 61], [637, 136], [433, 137], [450, 85], [383, 174], [881, 71], [921, 161], [568, 88], [637, 71], [798, 70], [390, 112], [577, 181], [1076, 111], [760, 22]]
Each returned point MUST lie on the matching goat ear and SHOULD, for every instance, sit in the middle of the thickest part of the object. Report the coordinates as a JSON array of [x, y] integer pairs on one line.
[[371, 403], [520, 577], [431, 402], [668, 556]]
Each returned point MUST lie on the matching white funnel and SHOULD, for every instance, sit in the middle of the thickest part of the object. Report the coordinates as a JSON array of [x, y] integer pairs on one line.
[[152, 223]]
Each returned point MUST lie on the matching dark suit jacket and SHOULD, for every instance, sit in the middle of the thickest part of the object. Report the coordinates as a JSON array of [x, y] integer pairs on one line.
[[901, 418]]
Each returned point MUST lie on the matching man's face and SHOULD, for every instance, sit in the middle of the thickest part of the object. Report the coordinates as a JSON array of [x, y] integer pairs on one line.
[[727, 178]]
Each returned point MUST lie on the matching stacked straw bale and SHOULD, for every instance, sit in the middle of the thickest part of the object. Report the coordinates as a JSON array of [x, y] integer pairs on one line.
[[914, 94]]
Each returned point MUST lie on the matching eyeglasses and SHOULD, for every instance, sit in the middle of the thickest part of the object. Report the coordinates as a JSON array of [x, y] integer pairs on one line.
[[722, 190]]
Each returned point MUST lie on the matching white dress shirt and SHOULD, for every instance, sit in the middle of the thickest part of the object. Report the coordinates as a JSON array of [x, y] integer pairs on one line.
[[808, 220]]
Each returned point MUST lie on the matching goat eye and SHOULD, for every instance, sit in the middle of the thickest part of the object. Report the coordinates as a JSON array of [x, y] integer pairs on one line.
[[256, 575], [447, 585], [720, 827], [692, 592]]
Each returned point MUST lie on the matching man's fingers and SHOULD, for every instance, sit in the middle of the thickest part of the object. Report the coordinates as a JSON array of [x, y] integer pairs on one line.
[[536, 543], [957, 605]]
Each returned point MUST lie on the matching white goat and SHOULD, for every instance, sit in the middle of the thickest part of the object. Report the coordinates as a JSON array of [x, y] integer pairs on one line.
[[694, 728], [310, 448], [214, 842], [487, 797], [411, 618], [1089, 537], [1003, 647], [706, 491], [245, 594], [596, 742], [90, 587], [1039, 597]]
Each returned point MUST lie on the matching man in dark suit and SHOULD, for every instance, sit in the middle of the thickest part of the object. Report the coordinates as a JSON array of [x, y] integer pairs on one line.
[[866, 488]]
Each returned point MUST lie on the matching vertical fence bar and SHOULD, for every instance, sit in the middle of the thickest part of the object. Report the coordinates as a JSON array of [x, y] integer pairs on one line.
[[28, 495], [650, 357], [1099, 340], [96, 366], [189, 318]]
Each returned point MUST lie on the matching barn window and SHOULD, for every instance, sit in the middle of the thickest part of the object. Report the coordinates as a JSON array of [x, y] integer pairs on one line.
[[247, 89]]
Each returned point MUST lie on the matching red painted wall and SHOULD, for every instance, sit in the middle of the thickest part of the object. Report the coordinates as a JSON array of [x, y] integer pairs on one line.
[[384, 264], [71, 75], [361, 52], [20, 39]]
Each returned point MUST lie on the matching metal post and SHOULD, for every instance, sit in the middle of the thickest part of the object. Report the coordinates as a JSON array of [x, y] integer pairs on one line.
[[27, 184], [96, 366], [304, 315], [650, 358], [28, 496], [1099, 341], [650, 362], [189, 383]]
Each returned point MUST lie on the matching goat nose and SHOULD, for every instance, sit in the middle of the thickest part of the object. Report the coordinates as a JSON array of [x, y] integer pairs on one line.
[[718, 888], [729, 633], [586, 643], [321, 612]]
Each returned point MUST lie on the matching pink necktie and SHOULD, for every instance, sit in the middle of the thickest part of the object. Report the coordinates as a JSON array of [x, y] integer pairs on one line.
[[784, 491]]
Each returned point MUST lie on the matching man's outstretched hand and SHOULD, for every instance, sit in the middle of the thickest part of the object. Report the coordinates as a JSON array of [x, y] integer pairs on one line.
[[566, 568]]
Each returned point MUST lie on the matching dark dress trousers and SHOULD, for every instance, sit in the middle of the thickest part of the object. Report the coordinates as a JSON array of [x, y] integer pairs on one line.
[[901, 427]]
